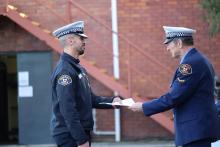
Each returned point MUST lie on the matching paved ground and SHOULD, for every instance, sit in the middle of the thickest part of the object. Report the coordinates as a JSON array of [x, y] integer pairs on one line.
[[105, 144], [135, 144], [121, 144]]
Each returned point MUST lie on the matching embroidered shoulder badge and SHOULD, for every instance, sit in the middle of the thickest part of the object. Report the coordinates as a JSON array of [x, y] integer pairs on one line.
[[64, 80], [185, 69]]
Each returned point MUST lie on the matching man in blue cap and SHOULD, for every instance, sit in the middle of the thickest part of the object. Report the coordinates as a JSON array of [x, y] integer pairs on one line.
[[191, 93], [72, 97]]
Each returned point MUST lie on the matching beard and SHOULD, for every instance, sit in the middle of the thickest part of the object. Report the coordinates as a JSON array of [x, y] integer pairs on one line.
[[81, 50]]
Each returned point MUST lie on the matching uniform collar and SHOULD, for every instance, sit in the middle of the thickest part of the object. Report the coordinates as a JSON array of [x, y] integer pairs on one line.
[[69, 58], [187, 53]]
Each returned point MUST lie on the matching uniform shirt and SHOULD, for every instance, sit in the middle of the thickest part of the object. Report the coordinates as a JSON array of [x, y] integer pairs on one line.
[[73, 99], [191, 97]]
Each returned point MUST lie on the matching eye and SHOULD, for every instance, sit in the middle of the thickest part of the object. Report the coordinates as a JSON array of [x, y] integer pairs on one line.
[[82, 38]]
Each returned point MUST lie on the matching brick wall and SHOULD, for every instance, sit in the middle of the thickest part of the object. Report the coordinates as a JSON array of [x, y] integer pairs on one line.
[[141, 22], [16, 39]]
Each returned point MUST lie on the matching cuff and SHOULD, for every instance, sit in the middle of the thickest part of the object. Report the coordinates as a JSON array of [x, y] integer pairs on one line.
[[117, 96], [80, 142], [145, 110]]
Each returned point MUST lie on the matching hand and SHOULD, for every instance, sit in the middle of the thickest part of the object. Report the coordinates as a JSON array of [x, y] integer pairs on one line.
[[136, 107], [116, 100], [84, 145]]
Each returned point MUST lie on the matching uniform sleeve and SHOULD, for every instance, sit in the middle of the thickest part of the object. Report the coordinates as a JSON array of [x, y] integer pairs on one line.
[[96, 100], [181, 90], [66, 93]]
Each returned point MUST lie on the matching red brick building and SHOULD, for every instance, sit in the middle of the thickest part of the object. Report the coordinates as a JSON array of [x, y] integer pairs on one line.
[[145, 67]]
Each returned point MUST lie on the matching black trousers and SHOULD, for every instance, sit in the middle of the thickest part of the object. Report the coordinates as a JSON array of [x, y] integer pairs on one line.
[[199, 143], [66, 140]]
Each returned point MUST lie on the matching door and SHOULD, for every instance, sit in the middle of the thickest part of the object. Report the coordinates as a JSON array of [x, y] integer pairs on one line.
[[34, 97], [3, 103]]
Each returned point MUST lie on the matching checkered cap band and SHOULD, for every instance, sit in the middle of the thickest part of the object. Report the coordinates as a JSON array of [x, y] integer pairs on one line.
[[76, 30], [177, 34]]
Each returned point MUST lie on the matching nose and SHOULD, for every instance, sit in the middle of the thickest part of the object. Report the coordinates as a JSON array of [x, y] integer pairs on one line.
[[84, 42]]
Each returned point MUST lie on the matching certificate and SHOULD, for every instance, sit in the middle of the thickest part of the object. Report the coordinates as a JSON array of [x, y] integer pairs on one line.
[[127, 102]]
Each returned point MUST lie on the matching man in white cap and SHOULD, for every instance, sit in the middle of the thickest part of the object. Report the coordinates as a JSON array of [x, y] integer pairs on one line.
[[72, 97], [191, 92]]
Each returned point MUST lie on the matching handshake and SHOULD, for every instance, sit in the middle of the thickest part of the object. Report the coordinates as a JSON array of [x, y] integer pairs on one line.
[[129, 102]]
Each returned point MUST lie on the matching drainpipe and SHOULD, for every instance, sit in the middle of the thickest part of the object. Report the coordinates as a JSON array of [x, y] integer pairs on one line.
[[116, 65], [117, 131]]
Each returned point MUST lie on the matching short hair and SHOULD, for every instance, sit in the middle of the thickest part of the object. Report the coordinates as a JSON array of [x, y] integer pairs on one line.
[[185, 40], [62, 39]]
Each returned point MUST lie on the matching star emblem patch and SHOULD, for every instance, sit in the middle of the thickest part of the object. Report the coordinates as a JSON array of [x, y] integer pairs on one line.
[[64, 80], [185, 69]]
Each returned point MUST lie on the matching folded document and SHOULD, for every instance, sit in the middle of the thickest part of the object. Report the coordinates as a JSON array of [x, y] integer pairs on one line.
[[127, 102]]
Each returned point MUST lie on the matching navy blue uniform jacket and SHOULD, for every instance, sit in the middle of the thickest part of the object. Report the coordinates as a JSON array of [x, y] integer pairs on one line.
[[218, 106], [191, 97], [73, 100]]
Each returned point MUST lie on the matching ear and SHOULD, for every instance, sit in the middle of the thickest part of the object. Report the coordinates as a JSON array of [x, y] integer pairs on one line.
[[69, 40], [179, 43]]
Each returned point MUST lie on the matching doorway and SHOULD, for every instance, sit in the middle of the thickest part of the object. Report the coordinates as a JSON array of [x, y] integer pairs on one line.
[[25, 97], [8, 99]]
